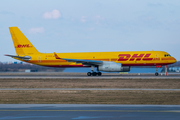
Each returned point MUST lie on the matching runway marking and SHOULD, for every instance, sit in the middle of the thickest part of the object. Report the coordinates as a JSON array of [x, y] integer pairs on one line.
[[121, 89], [172, 111]]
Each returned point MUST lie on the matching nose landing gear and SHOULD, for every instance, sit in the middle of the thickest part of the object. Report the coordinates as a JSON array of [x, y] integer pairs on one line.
[[156, 74]]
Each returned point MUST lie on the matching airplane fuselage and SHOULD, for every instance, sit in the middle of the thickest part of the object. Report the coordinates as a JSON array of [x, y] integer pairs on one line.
[[129, 58]]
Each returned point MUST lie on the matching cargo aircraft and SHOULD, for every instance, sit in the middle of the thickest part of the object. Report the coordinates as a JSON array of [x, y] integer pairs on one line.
[[103, 61]]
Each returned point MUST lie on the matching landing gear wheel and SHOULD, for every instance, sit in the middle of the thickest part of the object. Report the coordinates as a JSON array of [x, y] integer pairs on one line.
[[94, 73], [89, 74], [99, 73], [156, 74]]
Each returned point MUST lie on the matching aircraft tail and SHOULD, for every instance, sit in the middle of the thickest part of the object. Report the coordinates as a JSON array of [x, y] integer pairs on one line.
[[21, 44]]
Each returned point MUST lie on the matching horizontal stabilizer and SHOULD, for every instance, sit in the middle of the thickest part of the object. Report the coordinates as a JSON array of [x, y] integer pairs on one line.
[[26, 58]]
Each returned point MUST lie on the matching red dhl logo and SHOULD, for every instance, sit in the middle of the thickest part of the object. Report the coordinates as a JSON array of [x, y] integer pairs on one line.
[[23, 46], [125, 57]]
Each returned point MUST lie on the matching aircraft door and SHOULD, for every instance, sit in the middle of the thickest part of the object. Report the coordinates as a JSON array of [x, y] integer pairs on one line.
[[156, 56], [39, 58]]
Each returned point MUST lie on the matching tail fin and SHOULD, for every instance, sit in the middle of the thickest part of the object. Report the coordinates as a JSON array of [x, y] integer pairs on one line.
[[21, 44]]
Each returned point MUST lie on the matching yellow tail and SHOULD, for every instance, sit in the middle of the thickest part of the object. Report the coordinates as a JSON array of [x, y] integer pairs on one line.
[[21, 44]]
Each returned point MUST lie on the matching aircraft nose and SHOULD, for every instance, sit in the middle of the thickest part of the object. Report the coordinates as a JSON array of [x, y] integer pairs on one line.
[[174, 60]]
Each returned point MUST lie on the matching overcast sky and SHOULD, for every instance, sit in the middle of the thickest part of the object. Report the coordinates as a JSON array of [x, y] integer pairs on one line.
[[92, 25]]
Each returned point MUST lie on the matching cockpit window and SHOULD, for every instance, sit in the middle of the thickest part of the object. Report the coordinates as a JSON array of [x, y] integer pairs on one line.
[[167, 55]]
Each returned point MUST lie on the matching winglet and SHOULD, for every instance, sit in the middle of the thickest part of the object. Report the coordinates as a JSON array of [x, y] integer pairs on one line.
[[56, 56]]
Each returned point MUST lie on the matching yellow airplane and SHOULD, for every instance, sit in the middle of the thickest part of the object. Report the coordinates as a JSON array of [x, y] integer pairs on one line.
[[104, 61]]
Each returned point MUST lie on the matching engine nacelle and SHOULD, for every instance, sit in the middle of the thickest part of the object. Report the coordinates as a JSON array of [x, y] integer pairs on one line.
[[113, 67]]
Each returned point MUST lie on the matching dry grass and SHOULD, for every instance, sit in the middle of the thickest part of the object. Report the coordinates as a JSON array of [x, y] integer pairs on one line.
[[91, 83], [90, 97]]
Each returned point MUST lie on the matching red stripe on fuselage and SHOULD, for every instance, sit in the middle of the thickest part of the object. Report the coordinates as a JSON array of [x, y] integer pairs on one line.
[[167, 59], [142, 64], [65, 66], [146, 64]]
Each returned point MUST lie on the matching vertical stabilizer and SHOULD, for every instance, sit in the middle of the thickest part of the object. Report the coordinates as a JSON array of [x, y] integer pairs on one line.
[[21, 44]]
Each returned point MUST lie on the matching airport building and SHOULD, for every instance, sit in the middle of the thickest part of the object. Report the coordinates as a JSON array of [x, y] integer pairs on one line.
[[174, 69]]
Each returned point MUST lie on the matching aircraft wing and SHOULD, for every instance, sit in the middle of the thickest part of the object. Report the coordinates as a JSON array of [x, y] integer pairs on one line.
[[26, 58], [85, 62]]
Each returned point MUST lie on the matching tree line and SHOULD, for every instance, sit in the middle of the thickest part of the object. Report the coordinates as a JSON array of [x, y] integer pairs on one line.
[[5, 67]]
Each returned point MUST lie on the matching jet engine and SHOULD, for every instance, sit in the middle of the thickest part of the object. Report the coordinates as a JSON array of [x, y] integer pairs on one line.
[[113, 67]]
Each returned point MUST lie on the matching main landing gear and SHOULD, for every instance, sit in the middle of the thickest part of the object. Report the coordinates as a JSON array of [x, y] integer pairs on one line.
[[92, 73]]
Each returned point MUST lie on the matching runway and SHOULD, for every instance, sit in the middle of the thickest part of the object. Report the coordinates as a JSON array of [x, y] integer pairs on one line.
[[87, 77], [88, 111], [62, 75]]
